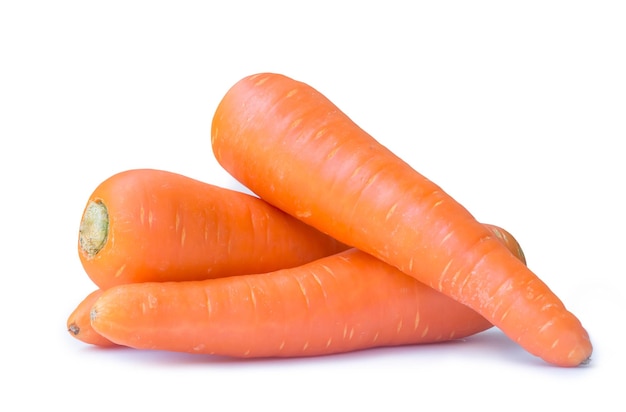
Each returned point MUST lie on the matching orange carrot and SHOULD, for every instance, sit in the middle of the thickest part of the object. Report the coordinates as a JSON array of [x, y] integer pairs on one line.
[[508, 240], [152, 225], [339, 303], [294, 148], [79, 324]]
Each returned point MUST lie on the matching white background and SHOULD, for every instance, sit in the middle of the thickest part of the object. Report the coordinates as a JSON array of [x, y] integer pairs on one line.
[[517, 109]]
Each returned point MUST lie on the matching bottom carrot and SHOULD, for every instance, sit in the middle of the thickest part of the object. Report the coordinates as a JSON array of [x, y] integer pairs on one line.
[[345, 302], [79, 324]]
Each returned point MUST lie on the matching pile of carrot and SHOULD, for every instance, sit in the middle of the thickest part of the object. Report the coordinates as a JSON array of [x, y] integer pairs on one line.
[[344, 247]]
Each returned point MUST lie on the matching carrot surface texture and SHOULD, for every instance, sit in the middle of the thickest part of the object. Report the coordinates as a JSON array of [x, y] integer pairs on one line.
[[343, 302], [293, 147], [79, 322], [152, 225]]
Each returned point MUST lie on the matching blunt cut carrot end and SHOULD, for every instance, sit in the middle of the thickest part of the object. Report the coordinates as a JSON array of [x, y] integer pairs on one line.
[[94, 228], [153, 225]]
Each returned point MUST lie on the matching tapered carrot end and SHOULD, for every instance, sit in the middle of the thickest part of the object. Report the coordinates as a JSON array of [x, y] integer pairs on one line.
[[570, 347], [87, 335], [508, 240], [79, 324], [581, 358], [581, 355]]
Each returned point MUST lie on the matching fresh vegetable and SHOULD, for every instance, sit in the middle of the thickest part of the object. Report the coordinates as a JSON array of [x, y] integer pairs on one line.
[[294, 148], [79, 324], [339, 303], [508, 240], [153, 225]]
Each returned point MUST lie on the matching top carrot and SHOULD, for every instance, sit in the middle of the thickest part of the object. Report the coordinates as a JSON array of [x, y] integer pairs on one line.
[[294, 148], [145, 225]]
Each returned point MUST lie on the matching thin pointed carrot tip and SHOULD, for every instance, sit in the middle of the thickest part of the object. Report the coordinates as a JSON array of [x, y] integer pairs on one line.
[[73, 329]]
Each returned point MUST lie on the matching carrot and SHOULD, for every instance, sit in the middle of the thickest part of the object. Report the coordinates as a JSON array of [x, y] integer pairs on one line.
[[79, 324], [508, 240], [294, 148], [344, 302], [152, 225]]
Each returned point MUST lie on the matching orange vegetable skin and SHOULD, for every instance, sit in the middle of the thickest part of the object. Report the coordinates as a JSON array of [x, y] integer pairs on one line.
[[340, 303], [79, 324], [508, 240], [152, 225], [294, 148]]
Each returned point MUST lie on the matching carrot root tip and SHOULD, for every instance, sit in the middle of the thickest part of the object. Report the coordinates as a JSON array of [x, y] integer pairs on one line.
[[94, 228], [73, 329]]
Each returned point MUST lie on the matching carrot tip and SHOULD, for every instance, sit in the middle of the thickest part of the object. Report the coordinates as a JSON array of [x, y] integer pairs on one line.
[[73, 329], [94, 228]]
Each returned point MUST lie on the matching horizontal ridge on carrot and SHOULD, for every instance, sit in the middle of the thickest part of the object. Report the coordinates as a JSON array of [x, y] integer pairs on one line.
[[295, 149], [152, 225], [343, 302]]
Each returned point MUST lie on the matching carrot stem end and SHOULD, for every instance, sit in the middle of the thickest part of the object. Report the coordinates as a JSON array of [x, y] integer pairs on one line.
[[94, 228]]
